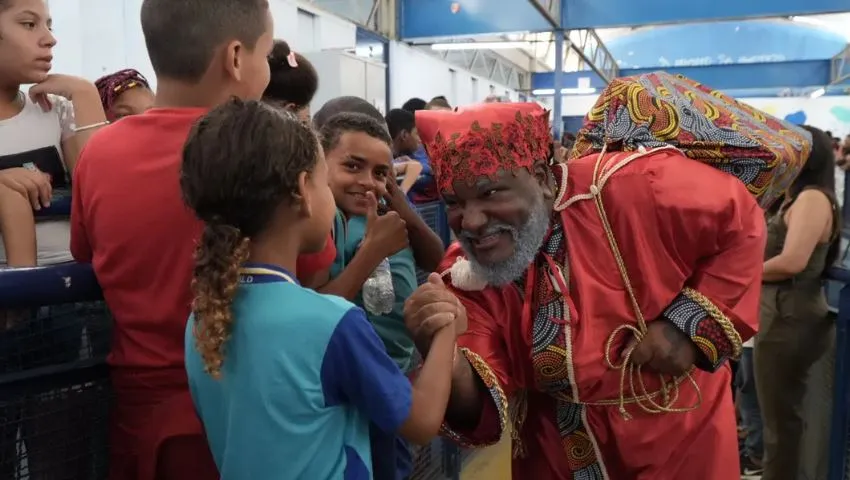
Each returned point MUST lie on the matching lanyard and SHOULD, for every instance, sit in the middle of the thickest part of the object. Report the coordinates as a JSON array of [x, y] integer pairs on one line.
[[260, 273]]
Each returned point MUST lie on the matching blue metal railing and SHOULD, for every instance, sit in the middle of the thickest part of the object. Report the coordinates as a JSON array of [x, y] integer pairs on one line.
[[838, 441], [54, 389]]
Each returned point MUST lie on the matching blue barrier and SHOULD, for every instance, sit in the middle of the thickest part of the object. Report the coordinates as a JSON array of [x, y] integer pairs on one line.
[[60, 206], [54, 389], [838, 442]]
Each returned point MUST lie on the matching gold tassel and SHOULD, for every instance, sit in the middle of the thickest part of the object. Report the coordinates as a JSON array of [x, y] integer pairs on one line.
[[517, 412]]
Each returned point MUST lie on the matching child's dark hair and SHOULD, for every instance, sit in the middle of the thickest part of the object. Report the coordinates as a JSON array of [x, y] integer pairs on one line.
[[345, 104], [414, 104], [439, 101], [182, 36], [291, 84], [351, 122], [399, 121], [240, 163]]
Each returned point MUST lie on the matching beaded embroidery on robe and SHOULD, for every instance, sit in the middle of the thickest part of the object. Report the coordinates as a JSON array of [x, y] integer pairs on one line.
[[549, 356]]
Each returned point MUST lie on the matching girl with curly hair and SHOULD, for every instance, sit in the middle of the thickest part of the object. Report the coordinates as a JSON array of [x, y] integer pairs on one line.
[[285, 379]]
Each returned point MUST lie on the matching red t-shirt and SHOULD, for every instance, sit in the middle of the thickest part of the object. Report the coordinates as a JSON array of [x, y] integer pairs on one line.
[[129, 220]]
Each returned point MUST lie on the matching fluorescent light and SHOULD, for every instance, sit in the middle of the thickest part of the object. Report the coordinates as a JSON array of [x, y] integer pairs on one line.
[[836, 28], [480, 45], [818, 93], [544, 92]]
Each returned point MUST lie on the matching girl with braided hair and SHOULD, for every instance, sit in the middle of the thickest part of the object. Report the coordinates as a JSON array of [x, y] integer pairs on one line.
[[304, 373], [124, 93]]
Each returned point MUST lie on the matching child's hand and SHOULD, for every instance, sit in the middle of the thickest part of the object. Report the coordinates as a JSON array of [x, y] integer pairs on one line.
[[431, 308], [386, 234], [32, 184], [397, 200], [62, 85]]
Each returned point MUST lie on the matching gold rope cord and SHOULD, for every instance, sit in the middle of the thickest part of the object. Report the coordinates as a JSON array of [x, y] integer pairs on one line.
[[669, 390]]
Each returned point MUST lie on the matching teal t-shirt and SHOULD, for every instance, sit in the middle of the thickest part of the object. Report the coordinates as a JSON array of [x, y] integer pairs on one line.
[[304, 376], [348, 233]]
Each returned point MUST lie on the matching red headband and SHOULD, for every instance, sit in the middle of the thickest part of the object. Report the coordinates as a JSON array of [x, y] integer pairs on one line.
[[483, 140]]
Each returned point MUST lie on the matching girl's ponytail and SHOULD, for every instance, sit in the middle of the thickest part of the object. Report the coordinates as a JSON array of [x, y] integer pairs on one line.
[[221, 250]]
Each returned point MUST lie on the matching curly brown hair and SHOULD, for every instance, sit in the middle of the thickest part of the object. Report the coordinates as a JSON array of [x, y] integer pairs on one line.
[[241, 162]]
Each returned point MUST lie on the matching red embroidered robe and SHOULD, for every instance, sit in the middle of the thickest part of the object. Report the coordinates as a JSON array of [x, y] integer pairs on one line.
[[692, 239]]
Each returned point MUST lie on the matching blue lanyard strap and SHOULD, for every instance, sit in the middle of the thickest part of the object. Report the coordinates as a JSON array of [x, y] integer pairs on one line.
[[259, 273]]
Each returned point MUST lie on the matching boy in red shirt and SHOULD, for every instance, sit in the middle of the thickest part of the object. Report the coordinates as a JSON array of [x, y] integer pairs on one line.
[[130, 222]]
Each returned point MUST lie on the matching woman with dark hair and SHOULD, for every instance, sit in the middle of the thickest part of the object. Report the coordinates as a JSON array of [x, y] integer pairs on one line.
[[293, 81], [802, 243]]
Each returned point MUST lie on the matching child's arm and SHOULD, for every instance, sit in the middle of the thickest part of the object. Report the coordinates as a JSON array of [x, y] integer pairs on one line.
[[17, 227], [357, 370], [411, 169], [385, 235], [428, 249], [81, 248], [354, 275], [80, 114]]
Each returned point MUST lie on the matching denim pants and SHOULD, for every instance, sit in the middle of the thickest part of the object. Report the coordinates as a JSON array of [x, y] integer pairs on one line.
[[748, 406]]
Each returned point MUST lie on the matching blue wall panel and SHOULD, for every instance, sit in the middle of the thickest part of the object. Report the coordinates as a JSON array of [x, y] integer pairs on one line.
[[619, 13], [441, 18], [721, 77]]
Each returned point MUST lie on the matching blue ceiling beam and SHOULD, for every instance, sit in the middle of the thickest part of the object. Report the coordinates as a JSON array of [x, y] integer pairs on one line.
[[622, 13], [422, 19], [779, 75]]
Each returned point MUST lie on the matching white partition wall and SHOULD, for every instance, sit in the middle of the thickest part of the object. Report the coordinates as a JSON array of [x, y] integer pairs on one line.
[[415, 73], [341, 74], [97, 37]]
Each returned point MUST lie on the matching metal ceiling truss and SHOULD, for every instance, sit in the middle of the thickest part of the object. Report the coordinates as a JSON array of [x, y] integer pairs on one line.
[[584, 43], [376, 15], [592, 53], [840, 71], [489, 65], [552, 8]]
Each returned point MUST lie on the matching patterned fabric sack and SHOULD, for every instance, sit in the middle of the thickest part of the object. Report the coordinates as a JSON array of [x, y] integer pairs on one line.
[[659, 108]]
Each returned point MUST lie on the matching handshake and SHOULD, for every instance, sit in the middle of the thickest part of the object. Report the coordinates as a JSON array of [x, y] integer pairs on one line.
[[430, 309]]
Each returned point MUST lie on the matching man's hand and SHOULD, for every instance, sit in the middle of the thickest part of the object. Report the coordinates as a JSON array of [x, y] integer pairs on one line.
[[665, 349], [431, 308], [32, 184]]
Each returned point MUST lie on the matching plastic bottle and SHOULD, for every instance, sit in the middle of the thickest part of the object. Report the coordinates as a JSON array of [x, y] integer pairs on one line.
[[378, 292]]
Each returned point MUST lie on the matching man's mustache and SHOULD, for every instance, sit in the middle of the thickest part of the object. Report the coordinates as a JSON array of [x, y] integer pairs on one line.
[[493, 229]]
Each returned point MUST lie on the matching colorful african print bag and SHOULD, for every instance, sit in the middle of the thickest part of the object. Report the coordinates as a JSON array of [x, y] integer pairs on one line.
[[659, 108]]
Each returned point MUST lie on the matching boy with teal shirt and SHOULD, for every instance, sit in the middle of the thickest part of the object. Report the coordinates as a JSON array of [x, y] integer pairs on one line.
[[359, 157], [348, 234]]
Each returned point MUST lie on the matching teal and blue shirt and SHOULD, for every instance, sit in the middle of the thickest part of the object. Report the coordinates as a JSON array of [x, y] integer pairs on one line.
[[304, 374], [348, 233]]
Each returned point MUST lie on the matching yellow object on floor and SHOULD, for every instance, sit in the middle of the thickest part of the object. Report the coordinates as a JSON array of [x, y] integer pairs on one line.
[[491, 463]]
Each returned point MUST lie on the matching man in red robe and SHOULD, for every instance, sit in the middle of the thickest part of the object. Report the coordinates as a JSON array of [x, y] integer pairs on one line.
[[603, 297]]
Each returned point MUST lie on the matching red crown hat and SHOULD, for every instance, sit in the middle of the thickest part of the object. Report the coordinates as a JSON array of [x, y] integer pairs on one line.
[[483, 140]]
